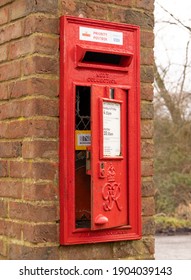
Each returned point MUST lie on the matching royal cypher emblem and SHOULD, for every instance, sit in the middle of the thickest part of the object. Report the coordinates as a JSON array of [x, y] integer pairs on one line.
[[111, 191]]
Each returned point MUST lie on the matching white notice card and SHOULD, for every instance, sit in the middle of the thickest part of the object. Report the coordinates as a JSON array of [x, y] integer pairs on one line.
[[111, 129]]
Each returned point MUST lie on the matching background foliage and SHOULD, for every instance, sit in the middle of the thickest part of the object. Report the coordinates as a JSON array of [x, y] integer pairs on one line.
[[173, 130]]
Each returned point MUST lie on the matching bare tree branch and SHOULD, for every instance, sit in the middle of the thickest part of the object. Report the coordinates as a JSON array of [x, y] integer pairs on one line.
[[175, 18], [184, 71], [169, 102]]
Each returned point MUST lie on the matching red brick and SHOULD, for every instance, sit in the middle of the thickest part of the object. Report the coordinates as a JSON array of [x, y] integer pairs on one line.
[[33, 86], [4, 93], [91, 10], [146, 91], [3, 168], [148, 206], [23, 252], [29, 128], [10, 71], [149, 242], [35, 44], [26, 7], [147, 110], [10, 149], [98, 7], [131, 16], [32, 213], [42, 107], [44, 128], [20, 48], [147, 168], [13, 229], [147, 56], [137, 249], [147, 74], [3, 250], [10, 32], [145, 4], [3, 53], [46, 45], [147, 39], [10, 189], [4, 2], [147, 129], [29, 108], [50, 6], [2, 225], [148, 225], [39, 65], [126, 3], [20, 9], [40, 191], [148, 188], [3, 208], [103, 251], [40, 233], [40, 149], [39, 23], [147, 148], [33, 170], [4, 15], [69, 7]]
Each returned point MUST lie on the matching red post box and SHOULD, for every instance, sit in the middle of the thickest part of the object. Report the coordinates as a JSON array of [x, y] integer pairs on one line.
[[99, 131]]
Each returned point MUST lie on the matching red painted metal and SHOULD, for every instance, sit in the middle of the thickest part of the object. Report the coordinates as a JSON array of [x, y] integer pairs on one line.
[[106, 196], [109, 193]]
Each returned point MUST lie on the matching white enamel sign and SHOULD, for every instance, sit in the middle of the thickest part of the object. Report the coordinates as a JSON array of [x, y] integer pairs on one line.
[[111, 129], [101, 36]]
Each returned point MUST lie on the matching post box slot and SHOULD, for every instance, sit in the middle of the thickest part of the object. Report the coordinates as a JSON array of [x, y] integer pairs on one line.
[[103, 58]]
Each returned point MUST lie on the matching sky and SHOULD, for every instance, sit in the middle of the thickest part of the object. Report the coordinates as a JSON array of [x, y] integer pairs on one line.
[[171, 40]]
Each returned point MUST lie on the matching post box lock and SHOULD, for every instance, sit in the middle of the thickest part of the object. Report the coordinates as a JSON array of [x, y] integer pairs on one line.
[[102, 169], [99, 131]]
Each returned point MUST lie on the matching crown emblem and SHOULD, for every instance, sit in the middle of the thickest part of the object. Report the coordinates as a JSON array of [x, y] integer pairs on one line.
[[111, 173]]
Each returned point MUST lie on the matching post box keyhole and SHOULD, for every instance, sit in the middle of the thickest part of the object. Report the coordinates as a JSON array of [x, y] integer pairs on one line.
[[111, 93], [102, 170]]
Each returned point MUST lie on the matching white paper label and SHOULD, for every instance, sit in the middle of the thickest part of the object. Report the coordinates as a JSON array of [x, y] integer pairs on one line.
[[84, 139], [111, 129], [101, 36]]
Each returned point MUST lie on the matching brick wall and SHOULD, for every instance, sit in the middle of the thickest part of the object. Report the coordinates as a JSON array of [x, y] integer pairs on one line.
[[29, 121]]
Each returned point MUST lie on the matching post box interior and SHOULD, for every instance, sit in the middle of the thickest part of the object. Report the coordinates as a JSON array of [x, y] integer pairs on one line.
[[82, 179]]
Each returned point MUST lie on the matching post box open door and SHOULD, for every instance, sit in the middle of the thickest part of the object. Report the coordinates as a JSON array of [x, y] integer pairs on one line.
[[100, 197], [108, 158]]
